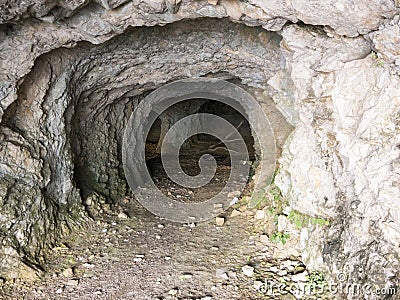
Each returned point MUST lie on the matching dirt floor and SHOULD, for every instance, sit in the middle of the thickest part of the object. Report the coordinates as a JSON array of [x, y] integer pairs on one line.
[[132, 254], [146, 258]]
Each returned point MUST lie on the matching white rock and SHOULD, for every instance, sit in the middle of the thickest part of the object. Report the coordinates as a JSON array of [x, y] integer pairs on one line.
[[173, 292], [248, 271], [234, 201], [264, 239], [300, 277], [235, 213], [221, 274], [260, 214], [122, 216], [282, 223], [73, 282], [68, 272], [219, 221], [258, 284], [274, 269]]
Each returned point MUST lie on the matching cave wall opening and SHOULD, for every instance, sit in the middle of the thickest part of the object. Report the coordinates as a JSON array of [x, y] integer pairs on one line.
[[76, 103]]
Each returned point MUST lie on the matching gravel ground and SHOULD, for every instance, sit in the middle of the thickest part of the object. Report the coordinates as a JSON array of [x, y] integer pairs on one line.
[[132, 254]]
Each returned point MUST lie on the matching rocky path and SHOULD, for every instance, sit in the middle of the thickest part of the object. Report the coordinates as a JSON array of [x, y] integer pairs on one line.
[[143, 257]]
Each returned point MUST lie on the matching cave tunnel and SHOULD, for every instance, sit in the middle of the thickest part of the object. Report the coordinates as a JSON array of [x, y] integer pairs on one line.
[[195, 147]]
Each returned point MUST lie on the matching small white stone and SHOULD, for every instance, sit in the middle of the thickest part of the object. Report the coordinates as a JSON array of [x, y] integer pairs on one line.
[[173, 292], [221, 274], [234, 201], [59, 291], [68, 272], [260, 214], [257, 285], [219, 221], [282, 272], [122, 216], [264, 239], [160, 226], [274, 269], [282, 223], [235, 213], [300, 277], [248, 271], [187, 275], [73, 282]]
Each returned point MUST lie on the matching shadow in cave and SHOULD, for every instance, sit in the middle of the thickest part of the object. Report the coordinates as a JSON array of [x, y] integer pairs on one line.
[[195, 147]]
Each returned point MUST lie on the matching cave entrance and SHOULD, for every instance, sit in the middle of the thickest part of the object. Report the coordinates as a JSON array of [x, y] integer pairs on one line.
[[190, 112], [195, 147]]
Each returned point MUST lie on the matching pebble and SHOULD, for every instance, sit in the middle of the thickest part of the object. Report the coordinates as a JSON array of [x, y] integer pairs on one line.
[[248, 271], [257, 285], [173, 292], [122, 215], [235, 213], [160, 226], [59, 291], [73, 282], [243, 208], [300, 277], [158, 237], [260, 214], [68, 272], [221, 274], [274, 269], [282, 272], [187, 275], [264, 239], [206, 298], [219, 221], [234, 201]]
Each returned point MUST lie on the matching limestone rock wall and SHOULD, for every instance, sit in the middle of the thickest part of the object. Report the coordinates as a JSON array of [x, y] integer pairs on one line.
[[71, 72]]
